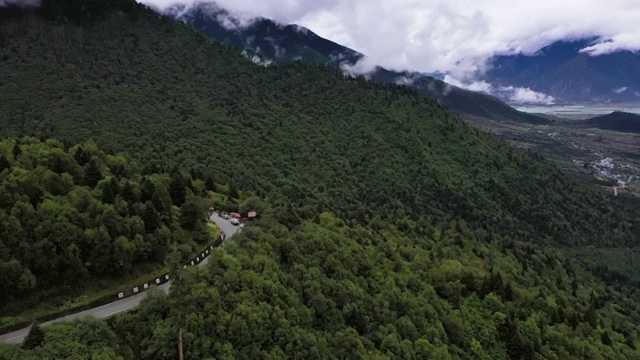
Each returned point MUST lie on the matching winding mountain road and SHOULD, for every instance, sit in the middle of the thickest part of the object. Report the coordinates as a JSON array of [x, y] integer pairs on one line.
[[16, 337]]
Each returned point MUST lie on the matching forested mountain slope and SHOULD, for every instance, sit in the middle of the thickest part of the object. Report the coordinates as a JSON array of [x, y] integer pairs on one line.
[[73, 214], [161, 90], [394, 229], [326, 290]]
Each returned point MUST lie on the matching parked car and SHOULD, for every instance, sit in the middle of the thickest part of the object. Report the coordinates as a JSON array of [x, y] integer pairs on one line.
[[235, 221]]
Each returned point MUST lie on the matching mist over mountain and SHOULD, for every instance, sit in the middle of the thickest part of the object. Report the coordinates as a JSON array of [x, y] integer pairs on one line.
[[264, 40], [561, 70]]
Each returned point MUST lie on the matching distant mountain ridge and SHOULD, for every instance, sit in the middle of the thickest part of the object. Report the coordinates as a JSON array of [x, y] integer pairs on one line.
[[273, 41], [616, 121], [562, 71]]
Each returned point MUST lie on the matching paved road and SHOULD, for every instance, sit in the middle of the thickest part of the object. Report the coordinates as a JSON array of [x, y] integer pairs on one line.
[[115, 307]]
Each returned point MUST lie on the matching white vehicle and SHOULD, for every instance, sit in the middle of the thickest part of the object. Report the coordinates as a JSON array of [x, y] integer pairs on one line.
[[235, 221]]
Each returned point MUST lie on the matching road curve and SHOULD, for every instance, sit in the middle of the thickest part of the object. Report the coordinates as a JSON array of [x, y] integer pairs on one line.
[[115, 307]]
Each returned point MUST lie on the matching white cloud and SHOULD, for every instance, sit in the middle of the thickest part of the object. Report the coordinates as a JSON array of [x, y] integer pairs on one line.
[[514, 95], [257, 59], [480, 86], [362, 67], [620, 90], [455, 37], [518, 95], [236, 20]]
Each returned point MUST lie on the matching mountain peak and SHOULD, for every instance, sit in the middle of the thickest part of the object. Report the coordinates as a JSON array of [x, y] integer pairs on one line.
[[211, 11]]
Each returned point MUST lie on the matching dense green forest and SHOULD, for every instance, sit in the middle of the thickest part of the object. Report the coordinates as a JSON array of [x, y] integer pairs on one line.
[[394, 229], [327, 290], [299, 133], [71, 214]]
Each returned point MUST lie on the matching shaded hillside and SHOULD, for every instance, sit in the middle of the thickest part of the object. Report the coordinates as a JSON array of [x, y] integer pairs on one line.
[[616, 121], [292, 42], [393, 229], [561, 71]]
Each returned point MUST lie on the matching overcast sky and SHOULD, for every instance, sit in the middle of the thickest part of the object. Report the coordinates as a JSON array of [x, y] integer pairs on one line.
[[451, 36]]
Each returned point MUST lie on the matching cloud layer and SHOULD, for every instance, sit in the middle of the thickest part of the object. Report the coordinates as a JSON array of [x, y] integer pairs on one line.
[[455, 37], [515, 95]]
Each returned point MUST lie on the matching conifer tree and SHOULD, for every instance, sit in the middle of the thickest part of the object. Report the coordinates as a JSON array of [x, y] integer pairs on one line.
[[233, 192], [16, 150], [35, 337], [81, 156], [4, 163], [190, 214], [93, 173], [127, 193], [148, 189], [210, 184], [177, 189], [108, 195], [151, 218]]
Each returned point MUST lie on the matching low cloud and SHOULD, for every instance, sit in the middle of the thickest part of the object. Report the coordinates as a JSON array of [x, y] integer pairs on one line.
[[479, 86], [364, 66], [512, 94], [625, 41], [620, 90], [257, 59], [408, 79], [519, 95], [229, 20]]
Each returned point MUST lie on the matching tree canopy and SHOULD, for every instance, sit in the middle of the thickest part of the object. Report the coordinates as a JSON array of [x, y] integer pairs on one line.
[[71, 214]]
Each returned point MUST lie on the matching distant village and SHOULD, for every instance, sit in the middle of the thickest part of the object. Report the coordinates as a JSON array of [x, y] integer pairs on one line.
[[603, 171]]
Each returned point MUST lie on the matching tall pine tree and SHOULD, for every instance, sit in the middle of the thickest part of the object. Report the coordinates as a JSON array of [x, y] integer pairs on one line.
[[190, 214], [4, 163], [233, 192], [16, 150], [148, 189], [108, 195], [177, 189], [209, 184], [81, 156], [127, 193], [93, 174], [151, 218], [35, 337]]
